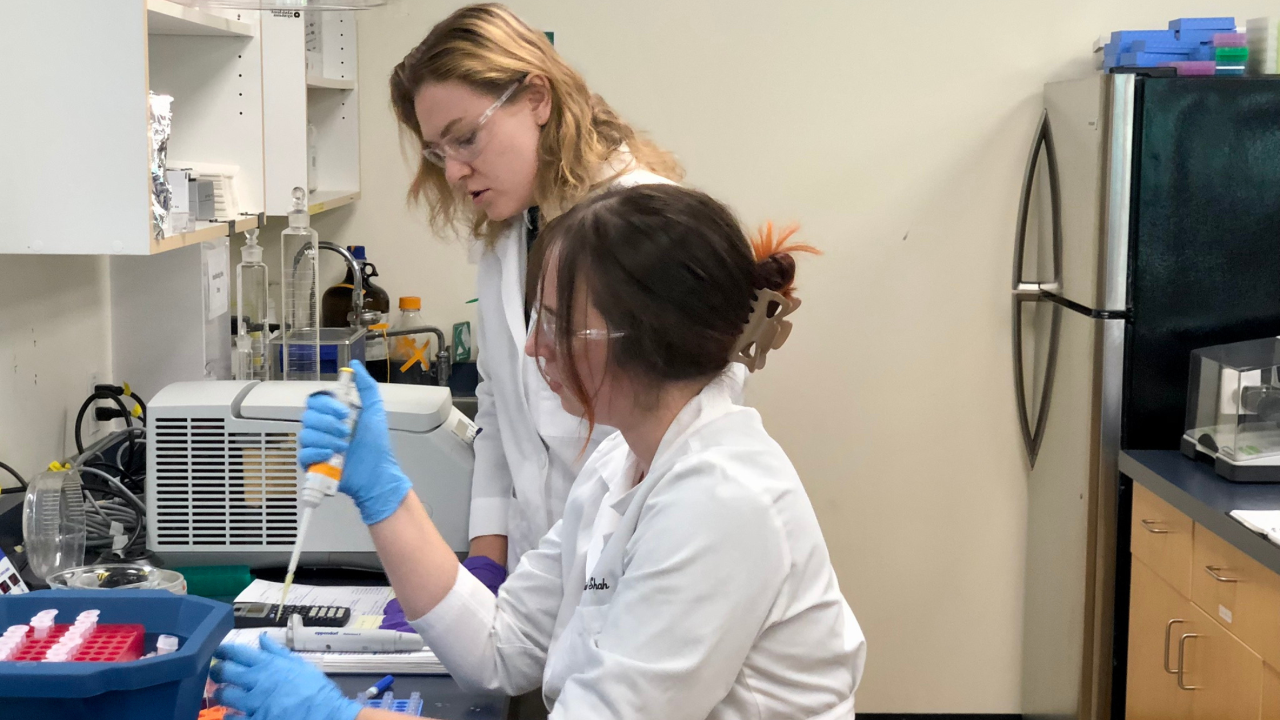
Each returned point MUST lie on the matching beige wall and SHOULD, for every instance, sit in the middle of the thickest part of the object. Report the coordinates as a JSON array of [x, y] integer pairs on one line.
[[896, 132], [54, 336]]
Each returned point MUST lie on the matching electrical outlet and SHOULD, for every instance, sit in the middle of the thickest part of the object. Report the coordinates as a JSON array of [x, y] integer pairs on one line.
[[91, 428]]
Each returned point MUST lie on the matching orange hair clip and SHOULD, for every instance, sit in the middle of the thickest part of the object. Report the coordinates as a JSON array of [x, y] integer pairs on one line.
[[765, 245]]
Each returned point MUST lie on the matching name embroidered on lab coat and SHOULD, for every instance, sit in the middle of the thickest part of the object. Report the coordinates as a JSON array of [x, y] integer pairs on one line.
[[593, 584]]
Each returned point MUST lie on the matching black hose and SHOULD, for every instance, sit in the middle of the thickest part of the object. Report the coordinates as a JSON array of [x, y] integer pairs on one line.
[[16, 476]]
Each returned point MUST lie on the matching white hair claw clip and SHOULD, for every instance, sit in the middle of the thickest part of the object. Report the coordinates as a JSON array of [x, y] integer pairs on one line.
[[763, 332]]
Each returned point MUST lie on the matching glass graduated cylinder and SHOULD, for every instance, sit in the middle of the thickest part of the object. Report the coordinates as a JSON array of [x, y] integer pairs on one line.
[[300, 265]]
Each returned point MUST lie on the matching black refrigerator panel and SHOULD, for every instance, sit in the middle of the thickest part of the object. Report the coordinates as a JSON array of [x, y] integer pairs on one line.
[[1205, 238]]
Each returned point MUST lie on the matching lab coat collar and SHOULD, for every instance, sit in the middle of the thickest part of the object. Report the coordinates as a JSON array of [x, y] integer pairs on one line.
[[714, 401], [618, 164]]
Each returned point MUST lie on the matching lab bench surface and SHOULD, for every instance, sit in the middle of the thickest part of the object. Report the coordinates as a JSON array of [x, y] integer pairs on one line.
[[1198, 492], [442, 699]]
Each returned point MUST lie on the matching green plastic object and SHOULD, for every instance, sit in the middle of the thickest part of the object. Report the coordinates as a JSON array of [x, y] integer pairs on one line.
[[462, 342], [216, 581], [1232, 55]]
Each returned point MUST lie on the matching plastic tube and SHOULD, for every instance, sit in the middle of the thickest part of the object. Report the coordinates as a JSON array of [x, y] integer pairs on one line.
[[41, 627], [166, 644]]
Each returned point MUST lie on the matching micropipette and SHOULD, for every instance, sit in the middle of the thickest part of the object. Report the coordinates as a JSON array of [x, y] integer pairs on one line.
[[322, 478]]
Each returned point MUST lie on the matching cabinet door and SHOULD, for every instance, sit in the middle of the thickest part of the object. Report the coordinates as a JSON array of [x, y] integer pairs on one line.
[[1270, 693], [1158, 618], [1238, 592], [1224, 676], [1161, 538]]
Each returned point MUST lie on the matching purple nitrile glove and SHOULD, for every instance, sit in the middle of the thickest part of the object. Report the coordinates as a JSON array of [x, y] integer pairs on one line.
[[486, 571], [393, 618]]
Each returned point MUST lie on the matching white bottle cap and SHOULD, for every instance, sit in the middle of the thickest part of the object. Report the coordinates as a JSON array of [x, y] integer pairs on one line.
[[166, 644]]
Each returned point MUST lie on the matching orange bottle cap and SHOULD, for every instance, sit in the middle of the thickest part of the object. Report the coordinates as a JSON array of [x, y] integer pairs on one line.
[[410, 303]]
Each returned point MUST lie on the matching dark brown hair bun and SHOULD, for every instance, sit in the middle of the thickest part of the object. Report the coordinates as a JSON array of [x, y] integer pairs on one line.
[[775, 266]]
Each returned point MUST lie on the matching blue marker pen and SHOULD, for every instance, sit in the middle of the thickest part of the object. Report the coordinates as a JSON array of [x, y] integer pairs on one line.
[[379, 687]]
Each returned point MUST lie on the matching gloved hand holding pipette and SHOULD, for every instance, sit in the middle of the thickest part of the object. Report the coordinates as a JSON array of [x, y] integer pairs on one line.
[[370, 476]]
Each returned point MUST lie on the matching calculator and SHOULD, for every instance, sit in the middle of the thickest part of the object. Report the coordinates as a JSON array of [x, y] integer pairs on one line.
[[257, 614]]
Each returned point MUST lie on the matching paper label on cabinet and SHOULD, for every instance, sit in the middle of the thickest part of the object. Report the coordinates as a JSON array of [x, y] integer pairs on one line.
[[219, 281], [1224, 613]]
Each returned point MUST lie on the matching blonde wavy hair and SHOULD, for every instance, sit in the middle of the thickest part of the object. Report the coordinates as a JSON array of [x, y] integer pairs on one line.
[[489, 49]]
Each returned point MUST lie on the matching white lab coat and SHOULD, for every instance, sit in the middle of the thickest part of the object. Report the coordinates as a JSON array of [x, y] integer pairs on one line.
[[529, 449], [704, 591]]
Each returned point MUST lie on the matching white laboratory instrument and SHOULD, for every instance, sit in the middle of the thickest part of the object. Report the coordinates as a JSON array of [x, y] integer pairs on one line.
[[223, 477], [365, 640]]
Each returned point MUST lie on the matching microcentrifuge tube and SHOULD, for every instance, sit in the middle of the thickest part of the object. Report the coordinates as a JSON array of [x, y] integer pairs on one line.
[[166, 644]]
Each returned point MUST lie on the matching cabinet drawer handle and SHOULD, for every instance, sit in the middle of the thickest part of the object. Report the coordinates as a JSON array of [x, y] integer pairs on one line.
[[1213, 573], [1168, 628], [1182, 657], [1149, 526]]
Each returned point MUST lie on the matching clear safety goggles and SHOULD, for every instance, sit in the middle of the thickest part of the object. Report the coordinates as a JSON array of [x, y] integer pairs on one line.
[[547, 328], [465, 147]]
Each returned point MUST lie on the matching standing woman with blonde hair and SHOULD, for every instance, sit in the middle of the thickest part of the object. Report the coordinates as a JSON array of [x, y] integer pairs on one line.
[[512, 137]]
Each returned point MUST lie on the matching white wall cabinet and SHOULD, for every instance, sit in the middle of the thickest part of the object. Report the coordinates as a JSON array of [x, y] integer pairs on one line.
[[324, 97], [74, 154]]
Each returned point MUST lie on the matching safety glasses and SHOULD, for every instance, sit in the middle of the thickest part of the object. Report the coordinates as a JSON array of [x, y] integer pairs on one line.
[[466, 147], [547, 327]]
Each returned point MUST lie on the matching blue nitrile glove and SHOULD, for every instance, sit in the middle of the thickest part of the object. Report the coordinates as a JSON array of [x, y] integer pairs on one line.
[[487, 570], [370, 474], [274, 684]]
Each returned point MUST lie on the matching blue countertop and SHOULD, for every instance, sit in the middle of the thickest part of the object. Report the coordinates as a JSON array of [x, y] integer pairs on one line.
[[1200, 493], [442, 699]]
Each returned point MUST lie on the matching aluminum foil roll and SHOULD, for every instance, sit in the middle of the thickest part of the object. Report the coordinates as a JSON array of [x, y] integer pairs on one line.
[[160, 120]]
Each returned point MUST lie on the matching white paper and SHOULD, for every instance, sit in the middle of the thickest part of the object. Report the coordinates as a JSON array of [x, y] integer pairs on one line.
[[363, 602], [219, 269], [1263, 522]]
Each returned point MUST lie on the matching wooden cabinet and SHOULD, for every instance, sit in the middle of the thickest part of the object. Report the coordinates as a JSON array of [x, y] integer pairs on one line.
[[1161, 538], [1238, 592], [1226, 675], [1156, 612], [1270, 693], [1196, 645]]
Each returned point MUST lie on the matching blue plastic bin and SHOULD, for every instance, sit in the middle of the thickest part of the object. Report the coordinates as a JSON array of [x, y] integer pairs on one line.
[[166, 686]]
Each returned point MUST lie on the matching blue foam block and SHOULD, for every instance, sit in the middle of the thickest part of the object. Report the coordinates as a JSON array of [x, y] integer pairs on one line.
[[1216, 24], [1203, 52], [1149, 59], [1203, 37], [1123, 39], [1163, 46]]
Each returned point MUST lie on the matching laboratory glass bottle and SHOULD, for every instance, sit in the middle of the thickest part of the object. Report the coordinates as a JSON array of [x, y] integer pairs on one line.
[[410, 354], [300, 266], [252, 332]]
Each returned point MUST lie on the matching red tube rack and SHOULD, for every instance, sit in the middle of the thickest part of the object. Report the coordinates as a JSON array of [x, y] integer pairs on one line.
[[107, 643]]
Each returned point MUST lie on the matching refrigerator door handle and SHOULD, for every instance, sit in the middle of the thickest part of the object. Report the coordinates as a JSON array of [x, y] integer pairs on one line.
[[1033, 435], [1023, 288], [1033, 292]]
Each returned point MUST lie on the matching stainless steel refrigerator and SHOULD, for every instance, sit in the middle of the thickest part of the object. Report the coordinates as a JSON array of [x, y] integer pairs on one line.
[[1149, 226]]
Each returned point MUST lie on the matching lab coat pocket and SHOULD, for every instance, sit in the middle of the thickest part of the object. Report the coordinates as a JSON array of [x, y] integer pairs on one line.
[[577, 650], [593, 617]]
